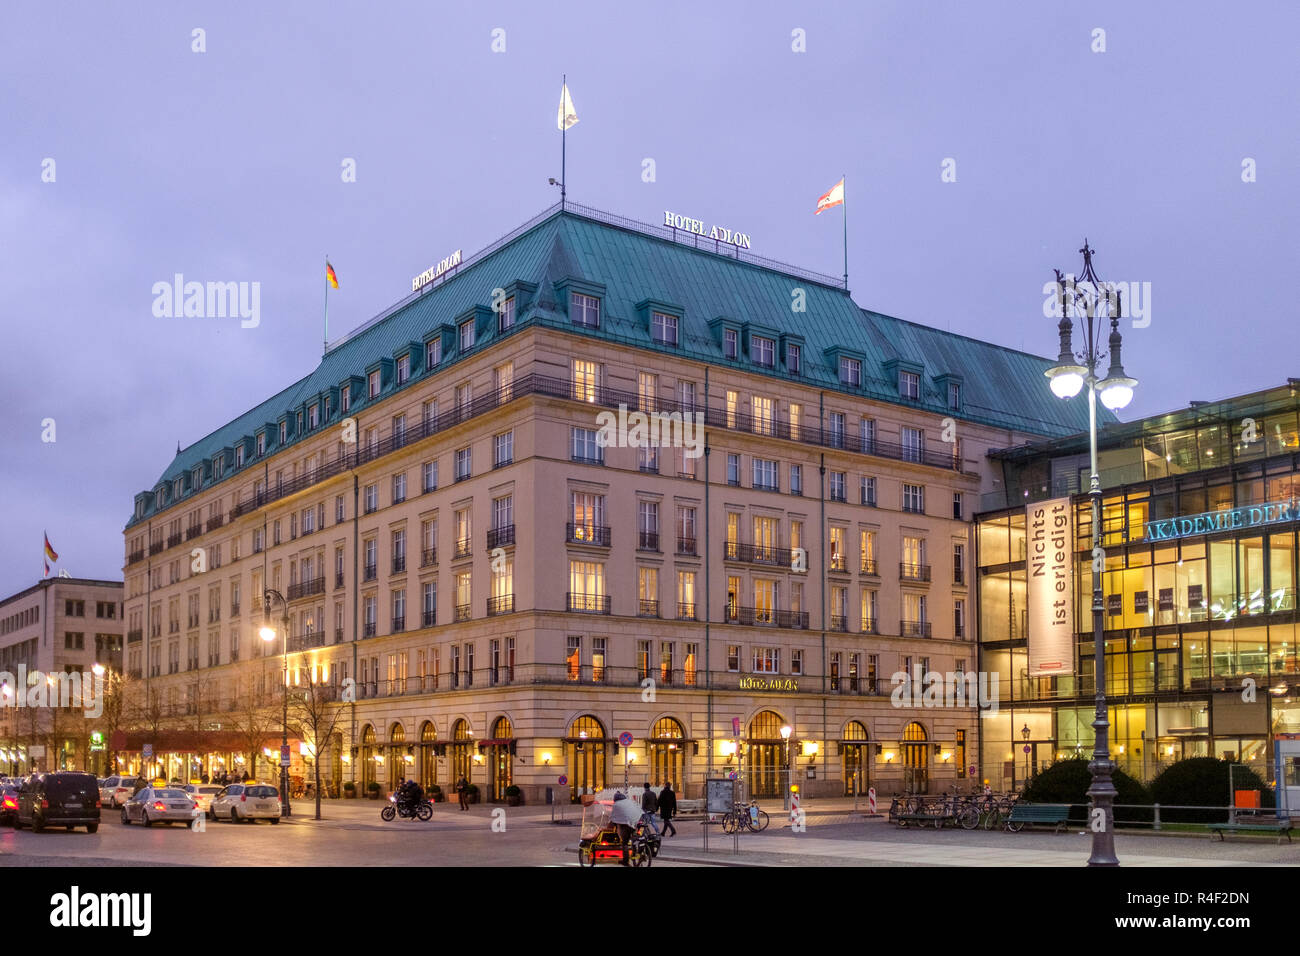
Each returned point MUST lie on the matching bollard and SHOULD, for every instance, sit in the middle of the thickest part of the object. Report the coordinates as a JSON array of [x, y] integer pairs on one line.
[[1157, 818]]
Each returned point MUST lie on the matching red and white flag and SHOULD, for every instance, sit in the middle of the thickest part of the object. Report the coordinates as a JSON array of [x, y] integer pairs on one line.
[[834, 197]]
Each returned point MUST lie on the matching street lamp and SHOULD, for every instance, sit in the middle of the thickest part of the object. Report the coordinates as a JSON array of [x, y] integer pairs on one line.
[[268, 634], [786, 731], [1024, 734], [1067, 377]]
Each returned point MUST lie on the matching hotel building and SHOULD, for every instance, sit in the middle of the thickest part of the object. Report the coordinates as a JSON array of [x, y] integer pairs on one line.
[[57, 626], [491, 589], [1199, 525]]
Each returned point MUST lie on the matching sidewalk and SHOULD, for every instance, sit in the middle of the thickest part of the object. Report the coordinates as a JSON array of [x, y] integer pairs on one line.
[[364, 814]]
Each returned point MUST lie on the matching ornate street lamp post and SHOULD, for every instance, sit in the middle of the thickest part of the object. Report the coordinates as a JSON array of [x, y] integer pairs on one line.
[[268, 634], [1090, 302]]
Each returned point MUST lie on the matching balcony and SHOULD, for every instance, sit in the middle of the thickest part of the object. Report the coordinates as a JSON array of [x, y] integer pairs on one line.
[[646, 608], [234, 610], [587, 603], [173, 540], [593, 534], [501, 537], [193, 531], [399, 563], [686, 546], [870, 569], [399, 624], [914, 572], [838, 563], [839, 622], [305, 642], [173, 627], [647, 541], [372, 572], [502, 604], [870, 626], [914, 628], [765, 555], [428, 557], [767, 617], [464, 548], [135, 556], [338, 635], [463, 612], [368, 629], [429, 618], [155, 547], [215, 522], [306, 588], [133, 637], [686, 612], [338, 579]]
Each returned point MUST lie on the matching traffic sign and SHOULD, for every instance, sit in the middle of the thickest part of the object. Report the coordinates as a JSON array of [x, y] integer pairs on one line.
[[1027, 748], [284, 755], [148, 751], [625, 739], [563, 779], [971, 770]]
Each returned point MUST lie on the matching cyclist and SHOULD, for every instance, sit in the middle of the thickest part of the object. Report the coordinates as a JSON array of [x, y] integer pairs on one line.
[[625, 817]]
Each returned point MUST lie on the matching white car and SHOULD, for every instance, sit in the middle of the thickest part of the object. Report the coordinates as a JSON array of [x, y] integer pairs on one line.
[[160, 805], [246, 801], [115, 791], [201, 793]]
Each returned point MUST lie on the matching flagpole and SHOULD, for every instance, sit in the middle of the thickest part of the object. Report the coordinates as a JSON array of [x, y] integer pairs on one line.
[[326, 344], [845, 194], [564, 133]]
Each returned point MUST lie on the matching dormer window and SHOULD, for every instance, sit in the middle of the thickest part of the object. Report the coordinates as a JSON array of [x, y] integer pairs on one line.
[[284, 432], [403, 369], [345, 397], [177, 487], [313, 416], [506, 317], [373, 384], [239, 456], [793, 358], [433, 352], [663, 328], [139, 508], [909, 386], [219, 466], [730, 343], [763, 351], [584, 310], [954, 396], [197, 483], [467, 335], [300, 423], [261, 444], [158, 498], [850, 372]]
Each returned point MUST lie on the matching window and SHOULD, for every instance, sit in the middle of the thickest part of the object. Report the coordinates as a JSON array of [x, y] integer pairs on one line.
[[837, 429], [429, 415], [796, 479], [399, 429], [588, 512], [733, 399], [506, 316], [763, 351], [642, 659], [284, 432], [345, 398], [733, 470], [765, 474], [430, 602], [767, 660], [954, 396], [839, 562], [793, 358], [585, 448], [586, 379], [584, 310], [464, 595], [587, 587], [958, 563], [959, 618], [913, 556], [503, 449], [432, 353], [647, 588], [764, 600], [913, 444], [956, 505], [837, 486], [914, 498], [647, 458], [663, 328], [399, 611], [733, 657], [239, 463], [464, 400], [909, 386], [867, 433], [686, 395], [730, 343], [503, 380], [795, 418], [464, 463], [464, 531], [867, 545], [685, 529], [399, 551], [371, 498], [796, 661], [686, 595], [868, 488], [429, 476], [399, 490], [275, 531], [338, 509], [467, 332], [763, 417], [850, 371], [647, 525], [373, 384], [869, 610]]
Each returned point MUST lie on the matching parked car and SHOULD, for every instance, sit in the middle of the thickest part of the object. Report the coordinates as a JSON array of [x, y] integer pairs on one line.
[[201, 793], [8, 803], [160, 805], [246, 801], [62, 799], [115, 791]]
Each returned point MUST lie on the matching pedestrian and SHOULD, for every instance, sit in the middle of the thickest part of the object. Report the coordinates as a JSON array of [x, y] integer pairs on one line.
[[668, 809], [462, 792], [203, 778], [138, 785], [649, 804], [245, 780]]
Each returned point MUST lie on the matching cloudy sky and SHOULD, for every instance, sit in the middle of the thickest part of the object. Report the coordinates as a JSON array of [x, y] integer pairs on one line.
[[227, 165]]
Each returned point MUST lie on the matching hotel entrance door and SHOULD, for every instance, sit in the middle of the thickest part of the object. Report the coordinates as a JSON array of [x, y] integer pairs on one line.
[[916, 759], [587, 760], [765, 760]]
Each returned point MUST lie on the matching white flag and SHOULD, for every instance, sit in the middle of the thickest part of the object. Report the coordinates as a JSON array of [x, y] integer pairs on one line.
[[567, 115]]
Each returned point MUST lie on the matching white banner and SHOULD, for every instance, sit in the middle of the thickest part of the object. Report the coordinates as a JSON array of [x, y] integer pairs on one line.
[[1050, 544]]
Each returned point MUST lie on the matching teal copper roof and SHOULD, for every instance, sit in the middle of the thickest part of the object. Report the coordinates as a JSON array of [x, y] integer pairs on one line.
[[626, 264]]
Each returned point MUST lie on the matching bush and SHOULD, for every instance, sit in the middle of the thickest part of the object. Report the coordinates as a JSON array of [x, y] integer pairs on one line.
[[1067, 781], [513, 791], [435, 789], [349, 785], [373, 786], [1203, 782], [472, 790]]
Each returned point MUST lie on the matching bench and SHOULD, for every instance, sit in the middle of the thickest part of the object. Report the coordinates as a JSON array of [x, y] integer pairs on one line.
[[1056, 814], [1280, 828]]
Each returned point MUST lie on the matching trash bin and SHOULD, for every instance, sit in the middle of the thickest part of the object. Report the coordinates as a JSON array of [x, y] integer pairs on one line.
[[1246, 799], [550, 795]]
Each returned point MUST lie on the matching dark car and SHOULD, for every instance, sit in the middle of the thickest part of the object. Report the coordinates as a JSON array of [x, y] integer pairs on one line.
[[58, 800], [8, 803]]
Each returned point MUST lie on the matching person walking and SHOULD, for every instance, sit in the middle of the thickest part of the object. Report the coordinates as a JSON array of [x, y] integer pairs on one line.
[[649, 804], [462, 792], [668, 809]]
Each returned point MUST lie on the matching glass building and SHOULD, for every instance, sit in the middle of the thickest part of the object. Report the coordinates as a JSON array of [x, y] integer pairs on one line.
[[1199, 524]]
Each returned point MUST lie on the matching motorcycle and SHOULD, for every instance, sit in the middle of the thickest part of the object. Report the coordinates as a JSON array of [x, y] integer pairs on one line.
[[404, 808]]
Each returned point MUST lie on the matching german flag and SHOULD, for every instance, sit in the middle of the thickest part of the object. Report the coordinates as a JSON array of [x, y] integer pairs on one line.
[[49, 550], [330, 274]]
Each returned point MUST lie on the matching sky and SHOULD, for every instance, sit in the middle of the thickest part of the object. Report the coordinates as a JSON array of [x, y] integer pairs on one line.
[[127, 155]]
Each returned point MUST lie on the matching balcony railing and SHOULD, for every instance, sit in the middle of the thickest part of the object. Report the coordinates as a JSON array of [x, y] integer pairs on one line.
[[155, 547], [914, 628], [307, 588], [338, 579], [216, 521], [193, 531], [587, 603], [870, 626], [429, 618], [399, 624], [686, 546], [173, 540], [503, 604], [768, 617], [368, 630], [500, 537], [305, 642], [338, 635], [234, 610], [135, 556], [839, 622], [135, 636], [647, 540], [372, 572], [463, 612], [428, 557], [914, 572], [646, 608], [595, 534], [758, 554], [399, 563], [686, 612], [870, 569], [464, 547]]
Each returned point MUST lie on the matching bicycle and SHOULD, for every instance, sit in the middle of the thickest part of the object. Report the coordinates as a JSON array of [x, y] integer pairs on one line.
[[746, 817]]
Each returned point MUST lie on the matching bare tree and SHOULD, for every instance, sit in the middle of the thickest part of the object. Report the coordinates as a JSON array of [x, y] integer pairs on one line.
[[119, 689], [147, 715], [314, 713], [252, 723]]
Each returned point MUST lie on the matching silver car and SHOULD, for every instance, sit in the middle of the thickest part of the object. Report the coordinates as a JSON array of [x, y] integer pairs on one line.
[[201, 794], [160, 805], [115, 791], [246, 801]]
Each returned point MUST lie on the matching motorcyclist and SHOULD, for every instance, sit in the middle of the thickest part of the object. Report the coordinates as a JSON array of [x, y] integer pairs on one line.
[[410, 795]]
